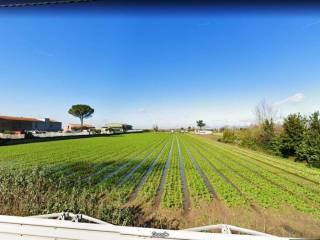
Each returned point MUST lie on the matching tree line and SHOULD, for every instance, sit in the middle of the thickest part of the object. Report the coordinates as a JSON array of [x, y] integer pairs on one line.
[[297, 137]]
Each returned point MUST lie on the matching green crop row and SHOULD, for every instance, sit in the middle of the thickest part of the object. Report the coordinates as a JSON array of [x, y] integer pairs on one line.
[[123, 191], [172, 194], [196, 185], [149, 189], [267, 189]]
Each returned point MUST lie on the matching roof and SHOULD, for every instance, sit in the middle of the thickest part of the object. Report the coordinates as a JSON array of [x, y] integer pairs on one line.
[[19, 119], [53, 121], [114, 125], [79, 125], [117, 125]]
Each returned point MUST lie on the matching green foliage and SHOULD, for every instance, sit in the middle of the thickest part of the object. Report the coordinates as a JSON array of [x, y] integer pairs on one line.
[[200, 124], [86, 176], [248, 137], [172, 196], [95, 131], [81, 111], [267, 134], [293, 133], [126, 216], [309, 149], [298, 137], [228, 136]]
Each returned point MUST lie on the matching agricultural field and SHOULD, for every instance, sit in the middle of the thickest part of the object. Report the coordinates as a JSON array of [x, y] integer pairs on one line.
[[161, 179]]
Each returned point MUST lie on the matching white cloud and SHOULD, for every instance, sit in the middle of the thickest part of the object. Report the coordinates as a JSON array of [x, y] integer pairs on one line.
[[298, 97]]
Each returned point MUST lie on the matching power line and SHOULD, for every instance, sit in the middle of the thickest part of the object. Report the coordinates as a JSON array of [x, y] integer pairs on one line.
[[41, 3]]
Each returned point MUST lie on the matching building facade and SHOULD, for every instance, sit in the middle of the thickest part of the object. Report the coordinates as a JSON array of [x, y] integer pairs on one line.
[[21, 124], [118, 127], [72, 127]]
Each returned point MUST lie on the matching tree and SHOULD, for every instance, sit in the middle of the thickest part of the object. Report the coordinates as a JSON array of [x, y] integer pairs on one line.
[[265, 111], [200, 124], [155, 128], [309, 150], [293, 133], [81, 111], [267, 134]]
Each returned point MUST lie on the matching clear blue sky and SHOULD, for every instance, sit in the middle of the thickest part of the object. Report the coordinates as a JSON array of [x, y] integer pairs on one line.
[[159, 69]]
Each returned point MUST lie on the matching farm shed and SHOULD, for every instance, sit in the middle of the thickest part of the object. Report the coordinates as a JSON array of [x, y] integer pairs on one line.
[[77, 127], [19, 124], [203, 132], [118, 127]]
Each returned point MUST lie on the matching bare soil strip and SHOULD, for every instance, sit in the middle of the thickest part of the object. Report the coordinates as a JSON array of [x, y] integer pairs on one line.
[[186, 202], [163, 178], [204, 177], [146, 174]]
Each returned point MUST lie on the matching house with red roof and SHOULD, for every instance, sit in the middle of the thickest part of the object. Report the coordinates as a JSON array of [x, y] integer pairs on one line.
[[20, 124]]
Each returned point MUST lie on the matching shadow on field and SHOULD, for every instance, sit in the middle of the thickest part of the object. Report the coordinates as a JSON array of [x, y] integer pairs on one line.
[[6, 142], [27, 193]]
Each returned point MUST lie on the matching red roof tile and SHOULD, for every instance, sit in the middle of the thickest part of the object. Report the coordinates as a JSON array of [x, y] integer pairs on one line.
[[19, 119]]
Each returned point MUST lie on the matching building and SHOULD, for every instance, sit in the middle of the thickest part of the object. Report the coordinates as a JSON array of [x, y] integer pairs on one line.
[[118, 127], [77, 127], [20, 124], [203, 132]]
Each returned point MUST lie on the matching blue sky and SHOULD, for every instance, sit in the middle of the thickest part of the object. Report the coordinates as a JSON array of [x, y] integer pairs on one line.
[[168, 70]]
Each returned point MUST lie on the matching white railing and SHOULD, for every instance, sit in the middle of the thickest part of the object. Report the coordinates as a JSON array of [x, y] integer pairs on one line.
[[52, 226], [11, 136]]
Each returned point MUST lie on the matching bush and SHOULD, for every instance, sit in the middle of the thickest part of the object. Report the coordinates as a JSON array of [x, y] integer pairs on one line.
[[127, 216], [267, 134], [228, 136], [248, 137], [293, 134], [309, 149]]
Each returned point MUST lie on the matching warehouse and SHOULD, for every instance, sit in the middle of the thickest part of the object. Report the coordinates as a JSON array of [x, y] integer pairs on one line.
[[73, 127], [21, 124], [118, 127]]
